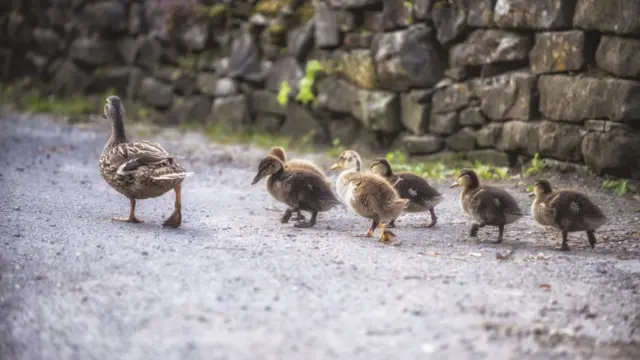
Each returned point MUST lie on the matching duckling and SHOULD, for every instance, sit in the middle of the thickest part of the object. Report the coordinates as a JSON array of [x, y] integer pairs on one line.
[[300, 164], [139, 169], [367, 194], [421, 195], [566, 210], [487, 205], [300, 190]]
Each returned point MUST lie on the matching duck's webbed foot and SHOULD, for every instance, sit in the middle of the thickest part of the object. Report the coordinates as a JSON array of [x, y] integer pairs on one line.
[[374, 225], [307, 224], [473, 232], [500, 233], [392, 224], [132, 214], [299, 216], [286, 216], [175, 220], [565, 241]]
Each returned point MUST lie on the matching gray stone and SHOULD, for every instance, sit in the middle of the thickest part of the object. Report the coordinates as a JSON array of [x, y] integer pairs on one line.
[[358, 67], [345, 129], [231, 112], [415, 116], [373, 21], [48, 42], [606, 126], [346, 21], [422, 145], [378, 110], [336, 95], [195, 37], [444, 124], [576, 99], [449, 19], [520, 136], [618, 17], [300, 41], [451, 98], [153, 92], [105, 15], [489, 46], [561, 141], [408, 58], [619, 56], [353, 4], [456, 74], [558, 52], [422, 96], [610, 153], [135, 18], [489, 156], [299, 121], [148, 52], [189, 109], [68, 78], [480, 13], [539, 14], [422, 9], [263, 101], [395, 14], [463, 140], [62, 17], [244, 59], [212, 84], [268, 123], [285, 69], [471, 117], [507, 97], [124, 80], [327, 28], [93, 52], [360, 40], [127, 49], [36, 64], [184, 81], [489, 136]]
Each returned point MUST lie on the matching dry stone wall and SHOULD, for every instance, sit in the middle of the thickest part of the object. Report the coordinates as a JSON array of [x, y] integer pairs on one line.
[[493, 79]]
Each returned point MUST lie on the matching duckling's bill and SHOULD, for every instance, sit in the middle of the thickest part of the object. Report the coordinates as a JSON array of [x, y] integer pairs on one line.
[[531, 194], [455, 184], [338, 165], [257, 178]]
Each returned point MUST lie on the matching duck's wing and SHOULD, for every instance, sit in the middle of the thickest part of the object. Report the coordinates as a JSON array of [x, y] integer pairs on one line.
[[132, 155], [574, 211], [309, 189], [492, 205], [416, 188]]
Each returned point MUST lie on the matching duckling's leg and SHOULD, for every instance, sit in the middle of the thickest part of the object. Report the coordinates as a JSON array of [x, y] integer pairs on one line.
[[386, 235], [374, 225], [132, 213], [299, 216], [474, 229], [565, 245], [392, 224], [286, 216], [175, 219], [307, 224], [434, 219], [500, 232], [592, 238]]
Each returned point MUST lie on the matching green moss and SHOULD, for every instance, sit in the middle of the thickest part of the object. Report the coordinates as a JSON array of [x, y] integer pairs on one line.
[[188, 62], [277, 29], [215, 10], [305, 12], [268, 7]]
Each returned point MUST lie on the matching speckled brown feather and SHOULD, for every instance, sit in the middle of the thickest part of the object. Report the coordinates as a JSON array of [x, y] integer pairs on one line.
[[490, 205], [301, 190], [568, 210], [373, 197], [298, 164]]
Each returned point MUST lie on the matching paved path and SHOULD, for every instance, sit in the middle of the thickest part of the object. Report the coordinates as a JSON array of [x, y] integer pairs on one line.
[[233, 283]]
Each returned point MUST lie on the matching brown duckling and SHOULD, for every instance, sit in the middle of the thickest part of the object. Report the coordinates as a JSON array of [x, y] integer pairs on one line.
[[298, 164], [299, 190], [415, 188], [487, 205], [566, 210], [367, 194]]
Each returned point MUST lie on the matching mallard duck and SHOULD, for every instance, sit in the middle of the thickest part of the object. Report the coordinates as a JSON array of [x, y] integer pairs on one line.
[[367, 194], [416, 189], [139, 169], [298, 164], [566, 210], [300, 190], [487, 205]]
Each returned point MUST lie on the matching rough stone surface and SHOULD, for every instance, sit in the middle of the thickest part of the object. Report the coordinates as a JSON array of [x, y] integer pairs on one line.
[[299, 121], [353, 4], [185, 82], [443, 124], [489, 46], [489, 136], [105, 15], [450, 98], [610, 152], [378, 110], [480, 13], [540, 14], [415, 116], [268, 123], [92, 52], [576, 99], [450, 20], [619, 56], [219, 87], [358, 67], [472, 117], [507, 97], [300, 41], [561, 141], [286, 69], [345, 129], [520, 136], [124, 80], [605, 126], [463, 140], [48, 42], [231, 112], [68, 78], [558, 52], [244, 59], [155, 93], [357, 40], [189, 109], [263, 101], [408, 58], [489, 156], [619, 17], [422, 9], [336, 95], [422, 145], [327, 28], [396, 14]]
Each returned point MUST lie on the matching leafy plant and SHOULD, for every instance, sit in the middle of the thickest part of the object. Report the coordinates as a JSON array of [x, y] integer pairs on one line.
[[305, 94], [283, 94], [536, 166], [620, 186]]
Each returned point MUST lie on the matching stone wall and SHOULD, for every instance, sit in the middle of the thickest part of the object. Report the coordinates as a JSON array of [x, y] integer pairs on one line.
[[488, 78]]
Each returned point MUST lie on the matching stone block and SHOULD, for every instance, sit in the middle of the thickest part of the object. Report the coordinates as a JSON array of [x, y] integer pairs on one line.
[[507, 97], [561, 141], [538, 15], [422, 145], [619, 55], [484, 47], [618, 17], [558, 52]]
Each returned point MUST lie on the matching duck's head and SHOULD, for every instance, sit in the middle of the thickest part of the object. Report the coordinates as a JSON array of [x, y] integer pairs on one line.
[[348, 159], [268, 166], [381, 167], [113, 109], [541, 188], [278, 152], [467, 179]]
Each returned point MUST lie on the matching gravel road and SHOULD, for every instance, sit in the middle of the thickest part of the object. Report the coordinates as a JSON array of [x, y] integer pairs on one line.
[[234, 283]]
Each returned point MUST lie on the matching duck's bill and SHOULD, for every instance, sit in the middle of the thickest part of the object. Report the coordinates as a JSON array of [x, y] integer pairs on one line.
[[532, 194], [335, 166], [455, 184], [256, 179]]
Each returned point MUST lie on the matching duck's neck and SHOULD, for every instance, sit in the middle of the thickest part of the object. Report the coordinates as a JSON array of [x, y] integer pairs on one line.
[[118, 134], [358, 165]]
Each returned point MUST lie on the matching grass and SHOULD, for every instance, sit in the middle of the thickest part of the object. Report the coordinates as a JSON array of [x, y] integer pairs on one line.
[[621, 187]]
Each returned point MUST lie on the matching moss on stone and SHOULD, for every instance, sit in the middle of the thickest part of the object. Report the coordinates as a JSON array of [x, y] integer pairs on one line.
[[359, 68], [305, 12], [268, 7]]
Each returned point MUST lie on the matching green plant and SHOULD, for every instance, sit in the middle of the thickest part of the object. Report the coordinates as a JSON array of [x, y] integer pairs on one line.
[[536, 166], [620, 186], [283, 93], [305, 94]]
